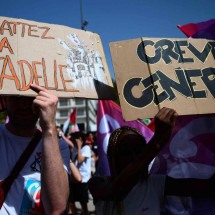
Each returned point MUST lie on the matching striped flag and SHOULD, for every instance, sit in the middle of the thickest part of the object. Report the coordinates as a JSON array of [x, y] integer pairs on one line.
[[70, 124]]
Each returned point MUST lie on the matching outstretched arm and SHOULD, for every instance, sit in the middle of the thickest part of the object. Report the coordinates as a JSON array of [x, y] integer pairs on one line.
[[122, 184], [54, 179]]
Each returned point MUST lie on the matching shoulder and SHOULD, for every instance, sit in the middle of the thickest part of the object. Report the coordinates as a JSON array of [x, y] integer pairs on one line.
[[86, 148], [63, 145], [2, 128], [4, 132]]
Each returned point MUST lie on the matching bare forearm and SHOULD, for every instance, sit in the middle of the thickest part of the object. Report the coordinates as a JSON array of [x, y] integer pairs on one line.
[[80, 158], [123, 183], [76, 176], [55, 188]]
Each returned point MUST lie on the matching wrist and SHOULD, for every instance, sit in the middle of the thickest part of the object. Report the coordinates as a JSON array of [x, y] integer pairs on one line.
[[49, 131]]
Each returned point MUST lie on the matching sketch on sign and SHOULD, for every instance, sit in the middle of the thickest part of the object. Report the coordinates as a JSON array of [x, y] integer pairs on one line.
[[83, 65], [68, 61]]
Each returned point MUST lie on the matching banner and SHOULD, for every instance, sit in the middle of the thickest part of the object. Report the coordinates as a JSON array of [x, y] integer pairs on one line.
[[152, 73], [189, 154], [67, 61], [110, 118]]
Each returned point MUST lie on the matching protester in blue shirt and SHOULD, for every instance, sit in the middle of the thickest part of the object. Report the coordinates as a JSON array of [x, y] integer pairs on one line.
[[41, 187]]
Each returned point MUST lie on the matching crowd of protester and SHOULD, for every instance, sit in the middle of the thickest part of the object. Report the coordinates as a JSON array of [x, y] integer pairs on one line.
[[62, 169], [84, 160]]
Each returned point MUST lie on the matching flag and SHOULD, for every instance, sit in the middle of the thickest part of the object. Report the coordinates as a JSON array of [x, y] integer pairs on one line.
[[109, 118], [191, 151], [151, 125], [189, 154], [199, 30], [70, 124]]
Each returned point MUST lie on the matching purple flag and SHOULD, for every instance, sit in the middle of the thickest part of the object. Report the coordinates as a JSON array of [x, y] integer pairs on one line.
[[110, 118], [204, 30], [190, 154]]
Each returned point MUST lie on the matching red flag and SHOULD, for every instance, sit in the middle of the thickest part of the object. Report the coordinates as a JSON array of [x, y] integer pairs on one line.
[[151, 125], [199, 30], [73, 117], [70, 124]]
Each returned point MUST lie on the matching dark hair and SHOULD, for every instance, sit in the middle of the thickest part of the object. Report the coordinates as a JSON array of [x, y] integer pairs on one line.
[[77, 135], [112, 145]]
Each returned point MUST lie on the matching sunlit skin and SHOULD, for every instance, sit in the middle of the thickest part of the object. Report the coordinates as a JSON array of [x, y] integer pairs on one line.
[[23, 112]]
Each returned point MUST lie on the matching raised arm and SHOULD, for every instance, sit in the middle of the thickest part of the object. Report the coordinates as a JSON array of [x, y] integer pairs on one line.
[[80, 157], [164, 123], [122, 184], [54, 179]]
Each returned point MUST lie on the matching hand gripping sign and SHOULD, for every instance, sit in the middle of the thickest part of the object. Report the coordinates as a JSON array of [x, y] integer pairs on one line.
[[155, 73]]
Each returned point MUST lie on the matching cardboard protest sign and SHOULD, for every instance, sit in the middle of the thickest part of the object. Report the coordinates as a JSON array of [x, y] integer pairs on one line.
[[67, 61], [155, 73]]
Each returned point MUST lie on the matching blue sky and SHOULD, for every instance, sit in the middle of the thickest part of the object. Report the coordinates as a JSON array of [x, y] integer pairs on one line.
[[115, 20]]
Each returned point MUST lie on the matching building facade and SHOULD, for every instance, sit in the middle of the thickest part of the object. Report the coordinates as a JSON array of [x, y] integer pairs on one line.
[[86, 113]]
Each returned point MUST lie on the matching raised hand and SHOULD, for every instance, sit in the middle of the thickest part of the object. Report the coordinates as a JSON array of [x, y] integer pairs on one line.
[[45, 104], [164, 123]]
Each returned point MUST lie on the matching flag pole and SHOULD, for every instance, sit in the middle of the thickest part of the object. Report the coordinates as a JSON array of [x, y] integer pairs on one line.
[[84, 23]]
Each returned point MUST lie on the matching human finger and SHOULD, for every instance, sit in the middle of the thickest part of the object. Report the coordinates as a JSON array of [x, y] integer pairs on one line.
[[37, 88]]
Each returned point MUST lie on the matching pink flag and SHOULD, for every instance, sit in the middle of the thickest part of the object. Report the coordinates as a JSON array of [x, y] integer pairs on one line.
[[189, 154], [199, 30], [110, 118]]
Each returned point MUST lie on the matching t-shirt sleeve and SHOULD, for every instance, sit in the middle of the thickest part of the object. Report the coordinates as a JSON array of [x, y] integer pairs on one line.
[[65, 154], [86, 151]]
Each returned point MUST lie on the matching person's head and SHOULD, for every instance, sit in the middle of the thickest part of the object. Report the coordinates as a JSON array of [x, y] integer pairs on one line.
[[89, 138], [59, 131], [90, 135], [125, 144], [78, 135], [20, 111]]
